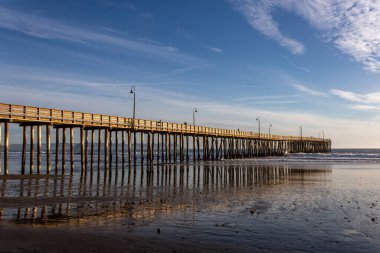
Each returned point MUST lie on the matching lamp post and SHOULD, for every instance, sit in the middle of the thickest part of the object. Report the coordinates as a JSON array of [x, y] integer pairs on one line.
[[270, 125], [323, 134], [300, 132], [133, 91], [258, 122], [194, 111]]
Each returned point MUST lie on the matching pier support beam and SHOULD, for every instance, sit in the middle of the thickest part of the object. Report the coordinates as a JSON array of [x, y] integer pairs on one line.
[[24, 140], [56, 149], [31, 159], [72, 150], [48, 149], [39, 151], [63, 150], [6, 147]]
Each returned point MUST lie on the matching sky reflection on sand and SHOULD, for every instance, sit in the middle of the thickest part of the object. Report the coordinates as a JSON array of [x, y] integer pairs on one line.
[[274, 206]]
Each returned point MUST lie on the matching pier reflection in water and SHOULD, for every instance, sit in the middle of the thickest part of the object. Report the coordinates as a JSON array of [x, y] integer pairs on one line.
[[140, 192]]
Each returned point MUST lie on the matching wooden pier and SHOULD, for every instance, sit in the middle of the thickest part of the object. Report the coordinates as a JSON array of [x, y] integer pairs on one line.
[[122, 140]]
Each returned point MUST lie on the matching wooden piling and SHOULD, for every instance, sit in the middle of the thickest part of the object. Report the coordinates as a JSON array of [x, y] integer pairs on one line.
[[198, 149], [105, 149], [56, 149], [142, 147], [123, 148], [86, 149], [92, 148], [99, 148], [110, 149], [170, 147], [39, 144], [6, 147], [116, 148], [129, 147], [0, 149], [63, 150], [72, 150], [82, 149], [48, 149], [24, 139], [166, 146], [158, 147], [162, 147], [175, 148], [151, 157], [187, 148], [148, 147], [31, 159], [134, 147], [194, 151]]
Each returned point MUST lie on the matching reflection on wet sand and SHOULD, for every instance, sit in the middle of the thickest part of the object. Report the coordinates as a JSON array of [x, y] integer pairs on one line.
[[138, 193]]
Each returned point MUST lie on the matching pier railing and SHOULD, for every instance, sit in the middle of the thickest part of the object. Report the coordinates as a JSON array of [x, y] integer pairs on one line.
[[25, 114]]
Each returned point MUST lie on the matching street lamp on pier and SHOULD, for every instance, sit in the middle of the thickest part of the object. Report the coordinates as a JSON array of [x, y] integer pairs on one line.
[[270, 125], [133, 91], [194, 111], [258, 122]]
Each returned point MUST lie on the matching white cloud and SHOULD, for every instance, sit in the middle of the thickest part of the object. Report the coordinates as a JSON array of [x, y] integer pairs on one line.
[[366, 107], [307, 90], [353, 26], [45, 28], [215, 49], [274, 97], [257, 14], [370, 98]]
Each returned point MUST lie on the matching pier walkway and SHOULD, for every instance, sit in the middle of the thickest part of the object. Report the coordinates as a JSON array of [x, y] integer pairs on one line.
[[117, 139]]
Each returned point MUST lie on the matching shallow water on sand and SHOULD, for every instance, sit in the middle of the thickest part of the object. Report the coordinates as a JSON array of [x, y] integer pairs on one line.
[[299, 203]]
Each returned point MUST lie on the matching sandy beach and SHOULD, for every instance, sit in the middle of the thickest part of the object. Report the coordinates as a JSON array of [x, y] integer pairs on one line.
[[225, 206]]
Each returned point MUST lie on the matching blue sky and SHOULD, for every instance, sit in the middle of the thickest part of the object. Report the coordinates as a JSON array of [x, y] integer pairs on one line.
[[312, 63]]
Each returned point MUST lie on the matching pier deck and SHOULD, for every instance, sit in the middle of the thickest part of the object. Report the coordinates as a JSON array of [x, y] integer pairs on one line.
[[165, 142]]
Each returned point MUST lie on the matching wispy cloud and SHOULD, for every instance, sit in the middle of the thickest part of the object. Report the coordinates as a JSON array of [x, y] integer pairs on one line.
[[308, 90], [257, 14], [300, 67], [254, 98], [365, 107], [54, 30], [370, 98], [177, 71], [352, 25], [214, 49]]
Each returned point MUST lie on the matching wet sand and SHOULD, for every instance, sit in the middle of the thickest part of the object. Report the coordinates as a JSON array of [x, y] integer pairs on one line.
[[216, 207]]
